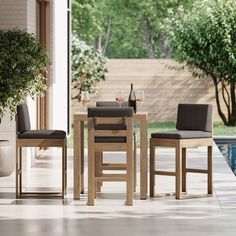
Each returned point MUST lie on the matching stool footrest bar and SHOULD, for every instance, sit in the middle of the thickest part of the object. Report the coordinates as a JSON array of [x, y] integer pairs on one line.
[[200, 171], [168, 173]]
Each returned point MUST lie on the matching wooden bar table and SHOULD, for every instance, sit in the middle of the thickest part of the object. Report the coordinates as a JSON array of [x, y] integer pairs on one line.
[[79, 121]]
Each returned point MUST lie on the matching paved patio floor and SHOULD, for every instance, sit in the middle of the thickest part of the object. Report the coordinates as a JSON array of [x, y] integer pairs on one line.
[[162, 215]]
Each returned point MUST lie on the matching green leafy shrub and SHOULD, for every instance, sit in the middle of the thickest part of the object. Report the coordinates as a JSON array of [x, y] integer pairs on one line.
[[88, 67], [204, 38], [22, 59]]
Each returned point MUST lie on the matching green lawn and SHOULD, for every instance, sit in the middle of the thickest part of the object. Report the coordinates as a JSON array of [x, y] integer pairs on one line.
[[219, 130]]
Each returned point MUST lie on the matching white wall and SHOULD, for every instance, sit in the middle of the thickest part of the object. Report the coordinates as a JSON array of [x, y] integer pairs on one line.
[[31, 28], [13, 13], [59, 92], [31, 16]]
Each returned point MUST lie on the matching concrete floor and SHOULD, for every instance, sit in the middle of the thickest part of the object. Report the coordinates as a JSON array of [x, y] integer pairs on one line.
[[162, 215]]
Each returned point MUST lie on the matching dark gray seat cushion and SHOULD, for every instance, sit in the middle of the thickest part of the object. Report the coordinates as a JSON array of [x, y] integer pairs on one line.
[[182, 134], [42, 134], [110, 112], [111, 104], [110, 127], [194, 117], [23, 118], [193, 121], [110, 139], [24, 127]]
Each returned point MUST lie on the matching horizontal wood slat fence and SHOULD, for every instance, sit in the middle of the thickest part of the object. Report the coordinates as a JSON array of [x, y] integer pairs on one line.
[[164, 88]]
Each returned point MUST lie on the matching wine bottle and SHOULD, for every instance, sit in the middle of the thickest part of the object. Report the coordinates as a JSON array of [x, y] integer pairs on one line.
[[132, 98]]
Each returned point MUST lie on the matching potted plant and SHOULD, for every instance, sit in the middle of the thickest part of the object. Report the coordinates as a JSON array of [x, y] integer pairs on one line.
[[22, 61]]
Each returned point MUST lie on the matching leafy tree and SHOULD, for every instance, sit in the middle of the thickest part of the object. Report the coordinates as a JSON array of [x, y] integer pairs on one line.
[[22, 59], [124, 28], [92, 21], [88, 67], [127, 41], [148, 14], [205, 40], [84, 22]]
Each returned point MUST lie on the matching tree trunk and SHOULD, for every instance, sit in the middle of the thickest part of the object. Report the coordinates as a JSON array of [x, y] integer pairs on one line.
[[226, 97], [221, 114], [101, 41], [108, 34], [148, 39], [164, 49], [98, 43], [162, 45], [232, 120]]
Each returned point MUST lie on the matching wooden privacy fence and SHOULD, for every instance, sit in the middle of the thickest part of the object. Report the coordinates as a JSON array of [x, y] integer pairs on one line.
[[164, 88]]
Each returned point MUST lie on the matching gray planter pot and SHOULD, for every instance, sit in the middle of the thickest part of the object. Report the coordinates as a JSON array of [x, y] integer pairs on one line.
[[6, 160]]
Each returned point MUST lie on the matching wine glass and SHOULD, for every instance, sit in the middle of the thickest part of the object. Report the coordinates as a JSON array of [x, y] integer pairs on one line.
[[84, 97], [120, 98], [140, 96]]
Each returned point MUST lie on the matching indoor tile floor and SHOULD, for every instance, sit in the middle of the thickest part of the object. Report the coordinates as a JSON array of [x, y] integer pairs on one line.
[[162, 215]]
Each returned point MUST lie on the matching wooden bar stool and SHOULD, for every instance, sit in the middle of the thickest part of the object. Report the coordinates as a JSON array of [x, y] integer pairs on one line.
[[194, 129], [101, 166], [110, 129], [25, 137]]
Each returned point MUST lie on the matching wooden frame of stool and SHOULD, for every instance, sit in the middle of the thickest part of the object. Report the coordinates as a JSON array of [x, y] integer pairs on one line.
[[20, 143], [95, 174], [181, 169]]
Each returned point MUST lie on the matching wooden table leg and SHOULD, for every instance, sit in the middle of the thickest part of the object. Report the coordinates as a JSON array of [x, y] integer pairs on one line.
[[152, 169], [82, 155], [209, 170], [143, 159], [184, 172], [77, 158], [178, 172]]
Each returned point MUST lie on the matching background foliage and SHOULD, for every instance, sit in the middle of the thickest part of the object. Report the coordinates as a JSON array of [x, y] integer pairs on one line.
[[22, 59], [205, 39], [88, 67], [124, 28]]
